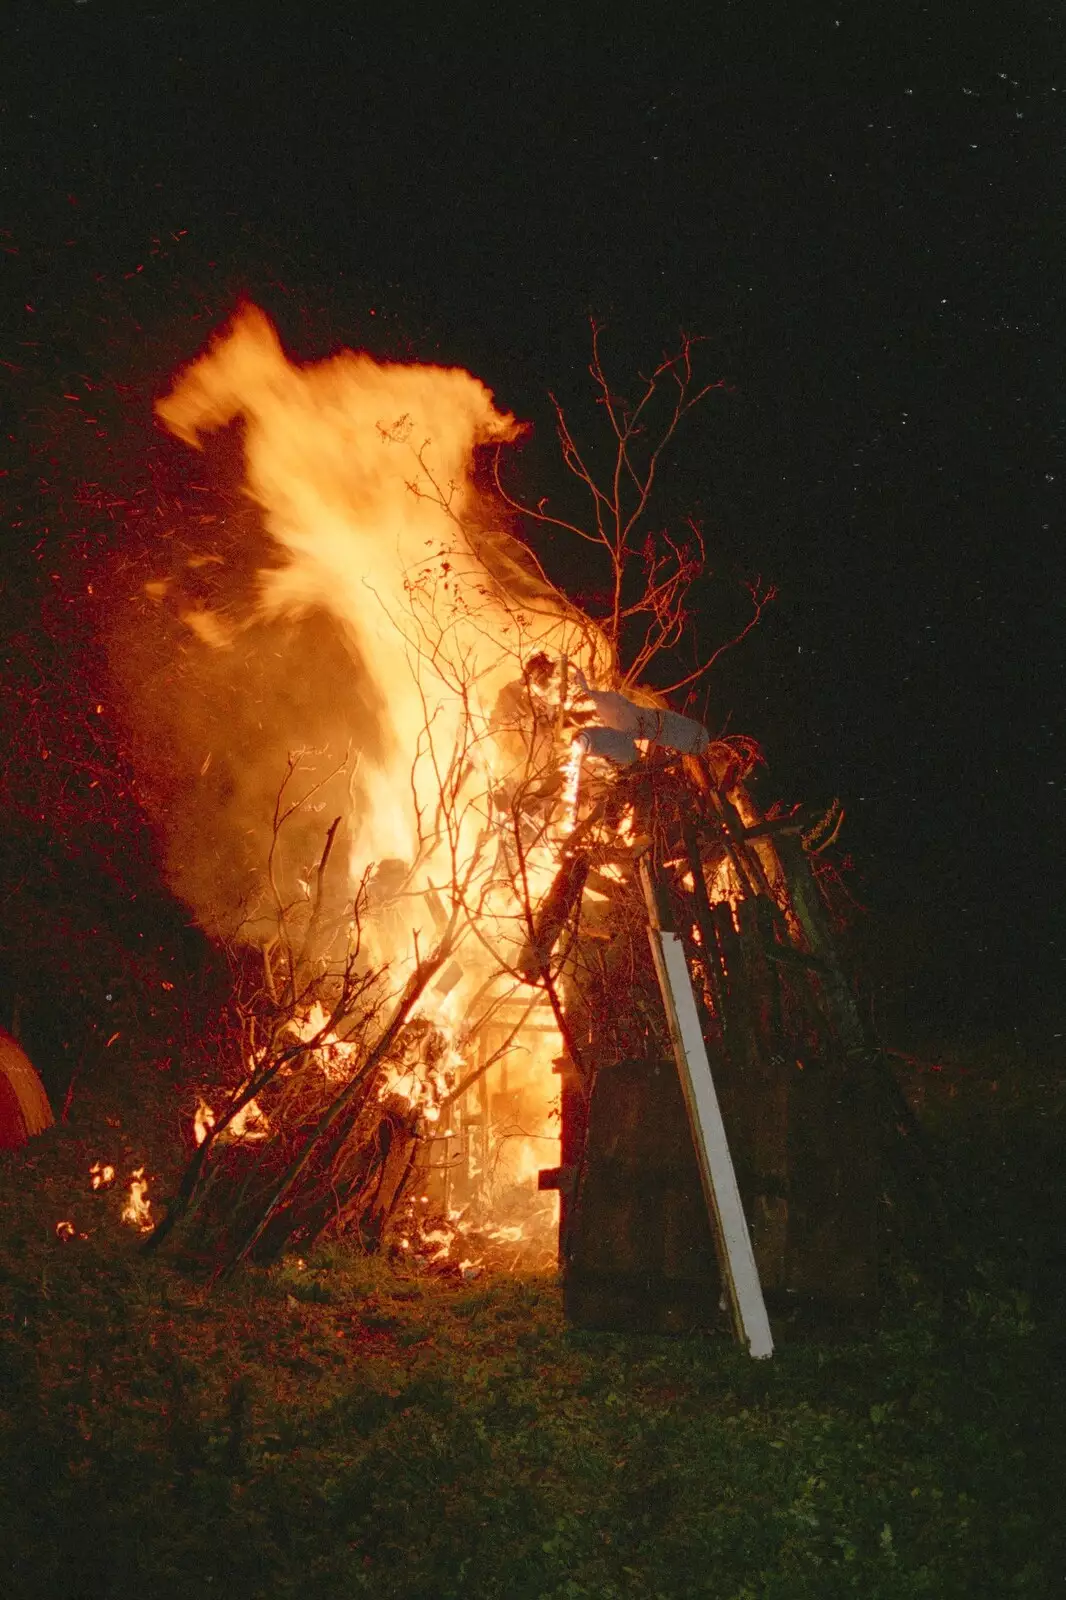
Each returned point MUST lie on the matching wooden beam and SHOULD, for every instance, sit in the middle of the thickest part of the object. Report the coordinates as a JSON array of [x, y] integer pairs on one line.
[[796, 823], [789, 956], [807, 904], [740, 1275]]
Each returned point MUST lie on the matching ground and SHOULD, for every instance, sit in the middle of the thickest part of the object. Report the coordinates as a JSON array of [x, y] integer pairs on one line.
[[337, 1426]]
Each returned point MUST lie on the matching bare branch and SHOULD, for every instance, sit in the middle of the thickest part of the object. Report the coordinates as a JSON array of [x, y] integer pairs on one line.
[[761, 598]]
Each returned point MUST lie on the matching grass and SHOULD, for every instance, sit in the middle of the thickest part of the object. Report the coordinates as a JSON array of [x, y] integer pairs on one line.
[[337, 1427]]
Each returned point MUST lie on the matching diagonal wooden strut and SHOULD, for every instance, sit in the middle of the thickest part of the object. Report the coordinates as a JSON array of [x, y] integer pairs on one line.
[[729, 1225]]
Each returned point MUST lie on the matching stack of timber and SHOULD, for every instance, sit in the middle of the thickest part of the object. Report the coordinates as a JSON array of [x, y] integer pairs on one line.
[[803, 1090]]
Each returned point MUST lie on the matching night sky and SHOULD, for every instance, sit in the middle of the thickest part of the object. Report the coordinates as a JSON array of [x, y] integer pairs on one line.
[[864, 220]]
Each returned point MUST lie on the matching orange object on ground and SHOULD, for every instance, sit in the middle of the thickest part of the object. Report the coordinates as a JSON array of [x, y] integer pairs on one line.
[[24, 1108]]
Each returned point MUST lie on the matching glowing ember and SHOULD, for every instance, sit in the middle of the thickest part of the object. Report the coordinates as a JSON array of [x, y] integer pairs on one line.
[[137, 1210], [424, 1086], [440, 1240], [336, 1058], [308, 1024], [203, 1121], [101, 1175], [571, 784], [725, 886], [249, 1123], [506, 1235]]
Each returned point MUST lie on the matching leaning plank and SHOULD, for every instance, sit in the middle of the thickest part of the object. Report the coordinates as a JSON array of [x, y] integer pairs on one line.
[[737, 1260]]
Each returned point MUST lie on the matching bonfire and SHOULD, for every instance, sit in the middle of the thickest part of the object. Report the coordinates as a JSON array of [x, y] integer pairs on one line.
[[438, 904]]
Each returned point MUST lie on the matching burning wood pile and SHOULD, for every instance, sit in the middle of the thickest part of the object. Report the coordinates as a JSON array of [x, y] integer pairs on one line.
[[443, 921]]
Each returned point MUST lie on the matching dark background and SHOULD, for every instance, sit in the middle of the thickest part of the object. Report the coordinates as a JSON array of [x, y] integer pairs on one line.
[[862, 216]]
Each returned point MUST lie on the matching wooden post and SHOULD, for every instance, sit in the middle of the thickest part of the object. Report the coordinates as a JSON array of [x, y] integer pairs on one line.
[[769, 1145], [743, 855], [729, 1224], [705, 923], [807, 904]]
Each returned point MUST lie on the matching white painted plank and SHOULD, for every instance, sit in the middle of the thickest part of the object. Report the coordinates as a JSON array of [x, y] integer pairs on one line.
[[712, 1147]]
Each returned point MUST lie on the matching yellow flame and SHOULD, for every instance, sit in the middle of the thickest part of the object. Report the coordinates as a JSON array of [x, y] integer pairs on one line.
[[137, 1211], [461, 656], [571, 785], [250, 1123], [364, 474]]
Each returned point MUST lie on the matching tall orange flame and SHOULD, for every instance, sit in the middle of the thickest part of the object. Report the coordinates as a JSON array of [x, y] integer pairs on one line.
[[364, 475], [363, 471]]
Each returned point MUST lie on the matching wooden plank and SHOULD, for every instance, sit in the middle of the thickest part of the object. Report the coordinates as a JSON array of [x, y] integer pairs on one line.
[[788, 956], [563, 1179], [718, 1176], [641, 1253], [738, 1002], [552, 915], [795, 822], [745, 859], [573, 1124]]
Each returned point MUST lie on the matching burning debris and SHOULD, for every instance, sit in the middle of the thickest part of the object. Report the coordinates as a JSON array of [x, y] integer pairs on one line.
[[136, 1209]]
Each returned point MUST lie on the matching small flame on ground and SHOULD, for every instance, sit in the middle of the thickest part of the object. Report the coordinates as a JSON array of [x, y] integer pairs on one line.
[[137, 1211], [101, 1175]]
